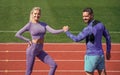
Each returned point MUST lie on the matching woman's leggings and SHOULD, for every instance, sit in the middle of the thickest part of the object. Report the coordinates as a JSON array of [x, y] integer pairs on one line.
[[34, 51]]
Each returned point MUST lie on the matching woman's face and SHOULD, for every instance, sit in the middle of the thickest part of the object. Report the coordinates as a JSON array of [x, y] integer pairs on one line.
[[36, 15]]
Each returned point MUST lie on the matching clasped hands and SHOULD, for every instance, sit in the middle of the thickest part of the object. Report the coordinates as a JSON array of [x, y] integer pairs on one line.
[[65, 28]]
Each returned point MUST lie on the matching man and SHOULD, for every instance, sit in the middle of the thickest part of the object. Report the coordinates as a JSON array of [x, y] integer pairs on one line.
[[93, 32]]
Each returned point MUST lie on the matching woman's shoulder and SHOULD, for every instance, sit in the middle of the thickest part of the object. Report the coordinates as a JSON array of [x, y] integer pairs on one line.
[[28, 24]]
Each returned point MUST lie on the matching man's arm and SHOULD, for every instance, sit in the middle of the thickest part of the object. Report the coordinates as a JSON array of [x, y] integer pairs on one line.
[[82, 35], [108, 43]]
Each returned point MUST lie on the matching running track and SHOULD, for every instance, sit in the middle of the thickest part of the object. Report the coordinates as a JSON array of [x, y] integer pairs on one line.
[[68, 56]]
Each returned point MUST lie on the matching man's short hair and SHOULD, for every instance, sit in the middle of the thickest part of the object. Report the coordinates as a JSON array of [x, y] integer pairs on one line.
[[90, 10]]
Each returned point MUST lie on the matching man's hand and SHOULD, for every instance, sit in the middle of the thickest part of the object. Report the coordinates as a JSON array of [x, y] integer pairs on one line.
[[108, 56]]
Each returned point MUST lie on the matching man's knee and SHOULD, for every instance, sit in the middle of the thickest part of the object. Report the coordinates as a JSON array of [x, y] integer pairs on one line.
[[102, 72], [89, 73]]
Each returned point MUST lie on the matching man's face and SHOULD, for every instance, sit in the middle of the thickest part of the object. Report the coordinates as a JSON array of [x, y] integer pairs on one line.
[[87, 17]]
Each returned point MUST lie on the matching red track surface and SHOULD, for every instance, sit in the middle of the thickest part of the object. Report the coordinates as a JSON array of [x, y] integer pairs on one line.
[[68, 56]]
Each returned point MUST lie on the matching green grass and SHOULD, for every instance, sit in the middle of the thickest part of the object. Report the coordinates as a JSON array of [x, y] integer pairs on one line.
[[14, 14]]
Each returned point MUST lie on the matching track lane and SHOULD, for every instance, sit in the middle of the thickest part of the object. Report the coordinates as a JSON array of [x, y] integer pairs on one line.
[[8, 67]]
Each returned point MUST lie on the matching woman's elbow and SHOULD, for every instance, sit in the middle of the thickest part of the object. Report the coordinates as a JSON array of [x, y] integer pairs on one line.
[[16, 35]]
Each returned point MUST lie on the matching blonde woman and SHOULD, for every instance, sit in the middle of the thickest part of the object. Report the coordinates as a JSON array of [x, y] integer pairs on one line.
[[37, 30]]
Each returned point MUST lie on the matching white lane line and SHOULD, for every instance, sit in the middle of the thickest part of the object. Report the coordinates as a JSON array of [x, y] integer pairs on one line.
[[111, 71], [7, 60], [46, 51], [38, 60], [73, 43], [55, 51], [10, 31]]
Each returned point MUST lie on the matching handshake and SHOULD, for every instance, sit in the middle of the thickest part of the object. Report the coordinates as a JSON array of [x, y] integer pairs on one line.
[[65, 28]]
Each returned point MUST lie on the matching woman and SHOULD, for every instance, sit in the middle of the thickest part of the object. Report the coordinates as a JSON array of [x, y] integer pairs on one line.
[[37, 30]]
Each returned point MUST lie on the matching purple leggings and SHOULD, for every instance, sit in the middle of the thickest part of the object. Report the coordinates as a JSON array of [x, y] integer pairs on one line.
[[35, 51]]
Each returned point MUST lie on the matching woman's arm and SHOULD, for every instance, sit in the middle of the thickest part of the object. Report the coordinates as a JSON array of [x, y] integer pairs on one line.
[[53, 31], [21, 31]]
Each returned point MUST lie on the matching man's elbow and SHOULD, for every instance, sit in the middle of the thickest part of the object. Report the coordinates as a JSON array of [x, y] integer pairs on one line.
[[75, 40]]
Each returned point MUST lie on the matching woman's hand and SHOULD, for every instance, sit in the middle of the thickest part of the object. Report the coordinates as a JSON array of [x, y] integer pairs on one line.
[[65, 28], [29, 43]]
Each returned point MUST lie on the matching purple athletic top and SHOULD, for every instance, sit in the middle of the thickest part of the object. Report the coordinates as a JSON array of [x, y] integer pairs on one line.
[[93, 36], [37, 31]]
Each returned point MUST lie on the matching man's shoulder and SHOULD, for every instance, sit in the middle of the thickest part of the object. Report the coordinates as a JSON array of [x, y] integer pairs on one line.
[[95, 22]]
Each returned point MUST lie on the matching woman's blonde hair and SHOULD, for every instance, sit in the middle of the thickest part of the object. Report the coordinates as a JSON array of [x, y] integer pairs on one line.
[[31, 12]]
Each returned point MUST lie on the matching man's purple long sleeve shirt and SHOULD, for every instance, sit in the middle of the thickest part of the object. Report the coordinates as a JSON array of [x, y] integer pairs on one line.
[[98, 31]]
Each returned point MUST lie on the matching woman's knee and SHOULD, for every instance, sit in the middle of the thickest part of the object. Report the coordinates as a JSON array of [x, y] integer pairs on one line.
[[48, 60], [53, 65]]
